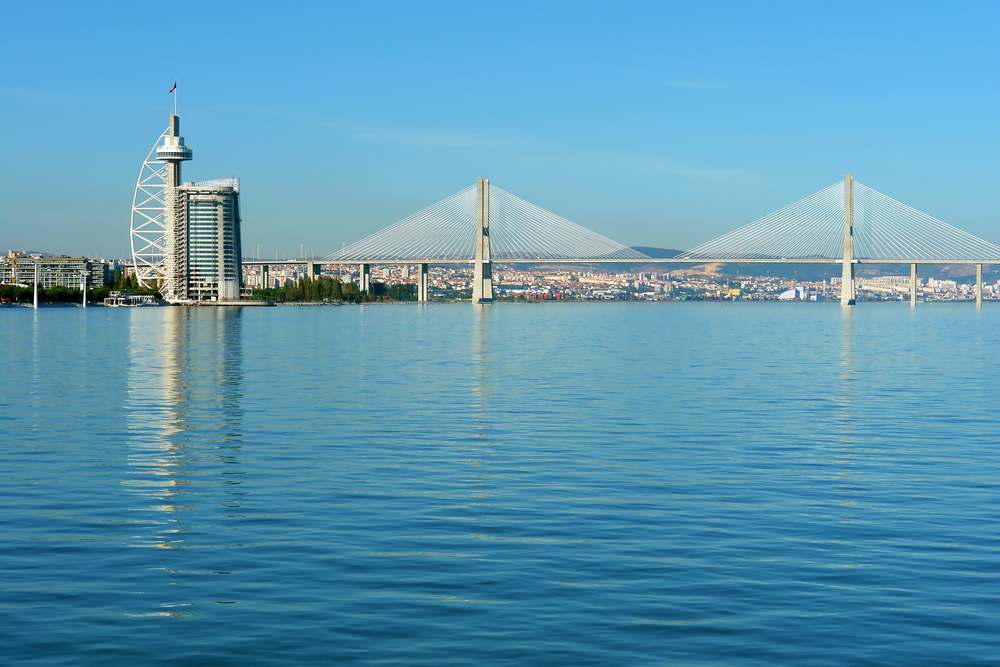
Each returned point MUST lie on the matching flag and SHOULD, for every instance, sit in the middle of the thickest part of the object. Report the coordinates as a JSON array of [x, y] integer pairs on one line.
[[174, 88]]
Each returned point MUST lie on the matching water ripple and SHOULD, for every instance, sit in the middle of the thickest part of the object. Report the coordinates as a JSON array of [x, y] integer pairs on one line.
[[520, 484]]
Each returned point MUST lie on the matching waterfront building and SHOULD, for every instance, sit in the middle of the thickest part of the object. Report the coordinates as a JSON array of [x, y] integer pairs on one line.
[[102, 272], [209, 257], [19, 269]]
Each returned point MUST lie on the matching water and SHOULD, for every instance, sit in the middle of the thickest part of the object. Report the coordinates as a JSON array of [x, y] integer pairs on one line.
[[585, 484]]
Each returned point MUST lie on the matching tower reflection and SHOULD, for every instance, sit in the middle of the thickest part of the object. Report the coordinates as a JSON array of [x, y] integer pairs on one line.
[[481, 354], [847, 370], [183, 416]]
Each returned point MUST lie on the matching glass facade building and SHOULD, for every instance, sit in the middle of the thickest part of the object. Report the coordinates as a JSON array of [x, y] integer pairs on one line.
[[209, 214]]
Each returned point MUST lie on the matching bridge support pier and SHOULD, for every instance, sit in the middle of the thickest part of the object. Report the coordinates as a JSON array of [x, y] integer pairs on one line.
[[365, 280], [847, 294], [482, 279], [913, 285], [265, 277], [422, 284], [979, 285], [313, 270]]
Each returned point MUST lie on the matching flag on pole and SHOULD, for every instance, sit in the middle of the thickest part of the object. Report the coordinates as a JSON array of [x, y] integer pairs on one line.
[[174, 88]]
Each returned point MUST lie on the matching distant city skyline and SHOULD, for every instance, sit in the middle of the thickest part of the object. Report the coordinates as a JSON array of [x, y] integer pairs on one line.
[[657, 126]]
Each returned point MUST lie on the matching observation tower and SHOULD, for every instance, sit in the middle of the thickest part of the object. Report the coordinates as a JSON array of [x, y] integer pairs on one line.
[[173, 152], [150, 227], [185, 236]]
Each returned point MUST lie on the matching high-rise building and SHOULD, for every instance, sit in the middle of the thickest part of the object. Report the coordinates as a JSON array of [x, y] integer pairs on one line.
[[210, 214], [202, 221]]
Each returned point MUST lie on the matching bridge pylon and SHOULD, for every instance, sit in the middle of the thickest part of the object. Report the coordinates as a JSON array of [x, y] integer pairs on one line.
[[847, 295], [423, 284], [482, 280]]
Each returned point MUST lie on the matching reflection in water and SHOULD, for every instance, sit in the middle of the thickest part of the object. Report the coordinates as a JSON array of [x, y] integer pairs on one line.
[[483, 430], [847, 365], [482, 358], [710, 521], [35, 393], [184, 391], [847, 387]]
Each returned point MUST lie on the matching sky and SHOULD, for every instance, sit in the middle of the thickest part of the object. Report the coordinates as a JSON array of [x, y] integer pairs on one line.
[[656, 124]]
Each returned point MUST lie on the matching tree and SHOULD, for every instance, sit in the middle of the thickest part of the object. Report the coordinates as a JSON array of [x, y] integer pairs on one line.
[[403, 292]]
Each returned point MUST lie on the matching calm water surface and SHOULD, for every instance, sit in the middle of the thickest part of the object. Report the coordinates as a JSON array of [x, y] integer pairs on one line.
[[584, 484]]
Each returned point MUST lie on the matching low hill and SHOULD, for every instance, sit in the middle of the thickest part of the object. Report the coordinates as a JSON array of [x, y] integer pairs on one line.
[[804, 272]]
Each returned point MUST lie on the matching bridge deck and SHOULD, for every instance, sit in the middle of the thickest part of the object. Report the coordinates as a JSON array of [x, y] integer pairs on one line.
[[634, 260]]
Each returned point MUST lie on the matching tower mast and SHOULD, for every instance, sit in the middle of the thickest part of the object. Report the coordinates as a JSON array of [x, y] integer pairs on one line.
[[173, 152], [482, 275], [847, 294]]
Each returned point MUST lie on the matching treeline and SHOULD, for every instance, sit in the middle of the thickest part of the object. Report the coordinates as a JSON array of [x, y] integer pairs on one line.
[[325, 288], [124, 283], [58, 294]]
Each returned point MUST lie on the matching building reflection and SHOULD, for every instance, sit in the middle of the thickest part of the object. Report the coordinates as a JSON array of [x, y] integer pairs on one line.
[[183, 415]]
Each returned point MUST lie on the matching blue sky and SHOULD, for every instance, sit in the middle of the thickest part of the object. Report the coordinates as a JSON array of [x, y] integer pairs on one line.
[[661, 124]]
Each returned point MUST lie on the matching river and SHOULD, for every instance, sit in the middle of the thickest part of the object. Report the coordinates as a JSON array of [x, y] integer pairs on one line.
[[516, 484]]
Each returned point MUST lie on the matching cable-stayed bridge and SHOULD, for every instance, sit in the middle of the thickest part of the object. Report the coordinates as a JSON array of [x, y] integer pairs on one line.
[[517, 231], [847, 223]]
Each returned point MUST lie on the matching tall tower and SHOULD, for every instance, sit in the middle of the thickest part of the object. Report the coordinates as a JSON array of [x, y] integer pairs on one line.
[[173, 152], [482, 279], [847, 293]]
